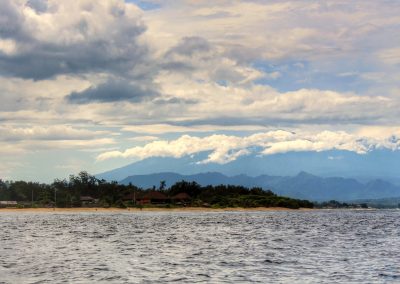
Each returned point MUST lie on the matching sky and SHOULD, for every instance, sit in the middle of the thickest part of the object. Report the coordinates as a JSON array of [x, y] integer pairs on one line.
[[95, 85]]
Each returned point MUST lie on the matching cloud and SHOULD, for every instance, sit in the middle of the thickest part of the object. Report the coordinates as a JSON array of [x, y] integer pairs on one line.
[[16, 142], [8, 47], [10, 19], [143, 138], [277, 29], [170, 128], [224, 148], [40, 6], [50, 133], [200, 68], [185, 145], [263, 105], [113, 91], [197, 58], [189, 46], [42, 39], [173, 100], [390, 56], [335, 158], [250, 41]]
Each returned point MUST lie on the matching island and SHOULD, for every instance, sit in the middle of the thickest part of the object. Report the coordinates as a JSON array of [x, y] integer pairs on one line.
[[86, 191]]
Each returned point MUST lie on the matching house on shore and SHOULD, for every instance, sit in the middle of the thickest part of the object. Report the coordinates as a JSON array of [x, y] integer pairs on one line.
[[88, 200], [154, 197], [181, 198]]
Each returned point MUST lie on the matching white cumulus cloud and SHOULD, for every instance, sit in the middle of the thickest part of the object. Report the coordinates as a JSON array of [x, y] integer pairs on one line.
[[225, 148]]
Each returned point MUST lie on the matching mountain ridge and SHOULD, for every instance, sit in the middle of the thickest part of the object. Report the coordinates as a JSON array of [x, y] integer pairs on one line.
[[304, 185], [325, 164]]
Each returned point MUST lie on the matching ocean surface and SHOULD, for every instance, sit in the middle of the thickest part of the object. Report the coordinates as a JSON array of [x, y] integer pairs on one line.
[[319, 246]]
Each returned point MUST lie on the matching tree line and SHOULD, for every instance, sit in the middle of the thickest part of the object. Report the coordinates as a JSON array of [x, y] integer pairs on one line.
[[68, 193]]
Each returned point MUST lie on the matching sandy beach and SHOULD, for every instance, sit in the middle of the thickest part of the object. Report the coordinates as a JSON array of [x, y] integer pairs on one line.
[[133, 210]]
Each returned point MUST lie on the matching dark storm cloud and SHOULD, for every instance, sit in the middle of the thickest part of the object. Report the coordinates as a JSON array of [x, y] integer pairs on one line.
[[10, 20], [48, 60], [76, 49], [112, 91]]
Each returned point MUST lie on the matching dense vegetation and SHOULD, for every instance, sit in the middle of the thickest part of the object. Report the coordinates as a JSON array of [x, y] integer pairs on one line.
[[68, 193], [333, 204]]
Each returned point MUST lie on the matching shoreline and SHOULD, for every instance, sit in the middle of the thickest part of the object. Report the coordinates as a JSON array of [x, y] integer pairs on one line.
[[151, 209]]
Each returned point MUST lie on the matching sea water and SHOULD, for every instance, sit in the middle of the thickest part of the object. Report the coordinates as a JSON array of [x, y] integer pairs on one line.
[[317, 246]]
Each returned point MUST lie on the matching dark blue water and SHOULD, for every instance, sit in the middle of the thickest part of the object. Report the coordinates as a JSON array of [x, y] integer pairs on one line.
[[221, 247]]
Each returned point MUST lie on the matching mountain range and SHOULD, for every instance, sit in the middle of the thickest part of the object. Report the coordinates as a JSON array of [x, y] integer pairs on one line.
[[303, 185], [379, 164], [327, 175]]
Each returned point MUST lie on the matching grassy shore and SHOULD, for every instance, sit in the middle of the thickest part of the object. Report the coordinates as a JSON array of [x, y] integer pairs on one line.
[[133, 210]]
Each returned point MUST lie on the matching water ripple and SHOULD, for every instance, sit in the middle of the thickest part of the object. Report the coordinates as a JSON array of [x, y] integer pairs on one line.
[[219, 247]]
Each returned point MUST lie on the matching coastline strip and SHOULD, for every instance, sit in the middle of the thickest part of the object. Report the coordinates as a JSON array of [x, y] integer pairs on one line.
[[152, 209]]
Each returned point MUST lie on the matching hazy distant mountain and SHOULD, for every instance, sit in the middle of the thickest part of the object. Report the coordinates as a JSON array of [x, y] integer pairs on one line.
[[303, 185], [373, 175], [379, 164]]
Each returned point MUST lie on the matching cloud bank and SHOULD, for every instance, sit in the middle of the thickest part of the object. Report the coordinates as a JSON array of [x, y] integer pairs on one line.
[[109, 75], [224, 149], [42, 39]]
